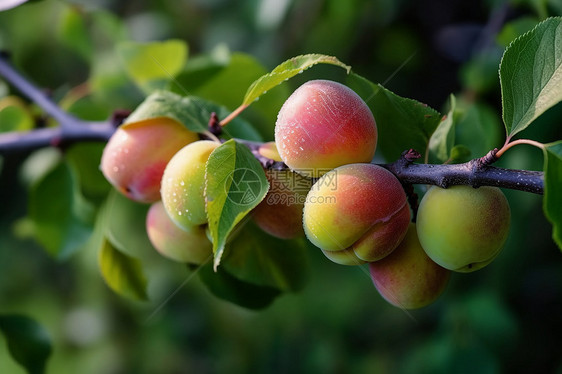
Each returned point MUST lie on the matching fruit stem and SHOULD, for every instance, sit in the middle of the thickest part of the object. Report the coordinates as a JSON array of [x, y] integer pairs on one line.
[[508, 144], [232, 115]]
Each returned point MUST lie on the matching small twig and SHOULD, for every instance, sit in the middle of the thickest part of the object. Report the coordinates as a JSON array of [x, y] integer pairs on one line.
[[233, 115], [508, 145]]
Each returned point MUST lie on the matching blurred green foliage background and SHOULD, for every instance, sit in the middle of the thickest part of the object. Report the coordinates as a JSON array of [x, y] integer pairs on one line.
[[504, 318]]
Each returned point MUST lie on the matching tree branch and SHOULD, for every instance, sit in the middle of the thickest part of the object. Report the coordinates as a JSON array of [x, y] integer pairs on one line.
[[476, 173], [71, 128], [473, 173]]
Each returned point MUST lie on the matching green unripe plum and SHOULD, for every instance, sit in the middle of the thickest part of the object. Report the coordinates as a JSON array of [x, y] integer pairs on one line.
[[408, 278], [183, 184], [175, 243], [463, 228], [323, 125], [356, 213], [280, 212], [135, 156]]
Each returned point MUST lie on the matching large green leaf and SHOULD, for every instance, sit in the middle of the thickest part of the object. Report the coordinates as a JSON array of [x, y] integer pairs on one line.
[[552, 202], [227, 287], [122, 273], [193, 112], [152, 65], [55, 208], [226, 82], [28, 342], [443, 138], [258, 258], [286, 70], [402, 123], [531, 75], [234, 184]]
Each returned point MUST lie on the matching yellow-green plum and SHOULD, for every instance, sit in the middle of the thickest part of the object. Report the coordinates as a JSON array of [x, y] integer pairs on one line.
[[323, 125], [135, 156], [408, 278], [280, 212], [183, 184], [356, 213], [173, 242], [463, 228]]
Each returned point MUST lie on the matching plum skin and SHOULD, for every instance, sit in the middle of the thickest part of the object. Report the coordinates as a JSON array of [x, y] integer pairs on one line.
[[408, 278], [356, 213], [183, 184], [171, 241], [463, 228], [135, 156], [323, 125], [280, 212]]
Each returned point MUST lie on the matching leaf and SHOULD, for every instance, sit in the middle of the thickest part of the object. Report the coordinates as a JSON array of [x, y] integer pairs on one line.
[[460, 153], [125, 225], [226, 82], [28, 342], [74, 33], [443, 138], [193, 112], [258, 258], [122, 273], [286, 70], [531, 75], [478, 127], [14, 116], [234, 184], [402, 123], [84, 159], [227, 287], [54, 211], [552, 202], [153, 65]]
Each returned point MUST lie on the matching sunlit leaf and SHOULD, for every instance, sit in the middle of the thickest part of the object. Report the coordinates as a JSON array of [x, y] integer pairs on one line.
[[122, 273], [258, 258], [153, 65], [193, 112], [226, 82], [28, 342], [402, 123], [234, 184], [552, 202], [286, 70], [531, 75], [14, 116]]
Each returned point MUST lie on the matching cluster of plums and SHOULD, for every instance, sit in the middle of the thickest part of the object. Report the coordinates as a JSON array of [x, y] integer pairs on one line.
[[356, 212]]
